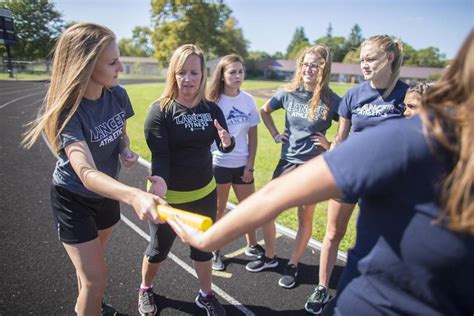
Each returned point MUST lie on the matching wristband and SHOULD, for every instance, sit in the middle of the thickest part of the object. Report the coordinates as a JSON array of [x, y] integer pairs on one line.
[[250, 169], [274, 137]]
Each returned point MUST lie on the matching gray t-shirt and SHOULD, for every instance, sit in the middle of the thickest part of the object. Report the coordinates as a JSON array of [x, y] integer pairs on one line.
[[299, 147], [100, 124]]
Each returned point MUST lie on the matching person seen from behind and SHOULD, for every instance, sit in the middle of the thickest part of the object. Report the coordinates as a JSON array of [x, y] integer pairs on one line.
[[374, 101]]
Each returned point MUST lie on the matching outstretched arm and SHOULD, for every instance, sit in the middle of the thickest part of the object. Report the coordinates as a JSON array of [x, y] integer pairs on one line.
[[308, 184], [96, 181]]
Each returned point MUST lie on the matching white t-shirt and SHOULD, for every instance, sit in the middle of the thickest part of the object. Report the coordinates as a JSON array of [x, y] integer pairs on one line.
[[240, 113]]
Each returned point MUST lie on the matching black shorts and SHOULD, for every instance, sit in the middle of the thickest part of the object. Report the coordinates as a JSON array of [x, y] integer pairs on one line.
[[225, 175], [162, 236], [78, 219], [283, 167]]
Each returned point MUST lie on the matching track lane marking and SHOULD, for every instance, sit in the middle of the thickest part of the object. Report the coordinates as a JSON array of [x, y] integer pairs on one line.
[[21, 90], [20, 98]]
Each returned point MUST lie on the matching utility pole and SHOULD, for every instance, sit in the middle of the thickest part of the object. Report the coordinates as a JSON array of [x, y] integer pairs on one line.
[[7, 36]]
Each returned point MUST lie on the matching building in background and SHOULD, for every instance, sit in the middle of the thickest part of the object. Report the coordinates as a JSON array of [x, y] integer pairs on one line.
[[141, 66], [280, 69]]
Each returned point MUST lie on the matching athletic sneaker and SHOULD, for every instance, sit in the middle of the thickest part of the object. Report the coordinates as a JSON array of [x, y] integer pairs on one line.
[[210, 304], [262, 263], [146, 302], [217, 263], [254, 251], [317, 300], [288, 279]]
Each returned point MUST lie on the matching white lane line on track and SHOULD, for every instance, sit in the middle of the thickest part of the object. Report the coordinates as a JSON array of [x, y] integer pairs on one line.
[[21, 90], [30, 104], [24, 106], [221, 274], [20, 98], [190, 270]]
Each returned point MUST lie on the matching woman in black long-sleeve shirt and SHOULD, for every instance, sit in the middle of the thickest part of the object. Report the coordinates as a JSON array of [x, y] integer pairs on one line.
[[179, 130]]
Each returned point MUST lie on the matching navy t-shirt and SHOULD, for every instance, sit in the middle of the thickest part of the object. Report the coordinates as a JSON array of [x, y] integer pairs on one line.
[[100, 124], [365, 107], [402, 263], [300, 148]]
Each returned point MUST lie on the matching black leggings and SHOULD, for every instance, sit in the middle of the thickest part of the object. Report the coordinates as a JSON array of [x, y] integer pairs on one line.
[[162, 236]]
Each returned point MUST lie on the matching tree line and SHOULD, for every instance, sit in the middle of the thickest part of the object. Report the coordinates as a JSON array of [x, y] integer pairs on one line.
[[347, 50], [208, 24]]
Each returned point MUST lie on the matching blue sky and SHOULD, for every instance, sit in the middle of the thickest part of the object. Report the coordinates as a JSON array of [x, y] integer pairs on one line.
[[269, 25]]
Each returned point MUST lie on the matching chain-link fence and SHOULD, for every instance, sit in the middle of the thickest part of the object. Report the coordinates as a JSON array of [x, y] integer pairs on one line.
[[25, 67]]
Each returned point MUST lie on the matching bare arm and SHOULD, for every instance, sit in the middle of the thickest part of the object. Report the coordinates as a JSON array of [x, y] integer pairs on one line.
[[83, 164], [266, 114], [343, 129], [308, 184], [124, 140], [319, 139], [128, 157]]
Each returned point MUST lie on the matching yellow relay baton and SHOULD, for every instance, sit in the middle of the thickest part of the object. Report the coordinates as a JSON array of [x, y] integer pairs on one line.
[[194, 220]]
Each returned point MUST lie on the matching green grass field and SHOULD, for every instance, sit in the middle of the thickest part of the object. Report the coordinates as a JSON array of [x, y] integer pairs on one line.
[[268, 153]]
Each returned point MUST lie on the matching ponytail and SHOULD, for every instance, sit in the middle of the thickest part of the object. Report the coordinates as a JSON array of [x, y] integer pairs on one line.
[[387, 45]]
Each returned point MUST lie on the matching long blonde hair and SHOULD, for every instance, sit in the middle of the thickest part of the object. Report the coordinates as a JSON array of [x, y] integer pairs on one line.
[[217, 84], [448, 116], [75, 56], [321, 90], [386, 44], [177, 61]]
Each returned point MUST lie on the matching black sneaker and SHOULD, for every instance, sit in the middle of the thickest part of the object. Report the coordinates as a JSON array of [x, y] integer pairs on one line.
[[254, 251], [146, 302], [210, 304], [262, 263], [317, 300], [288, 279], [217, 263], [108, 310]]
